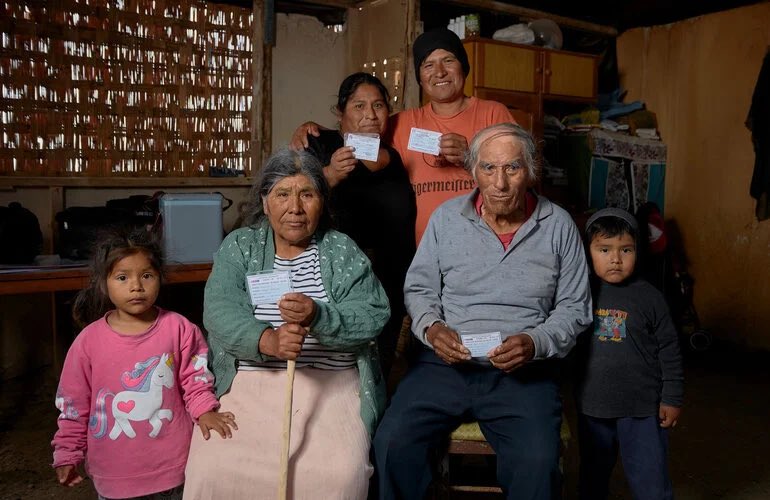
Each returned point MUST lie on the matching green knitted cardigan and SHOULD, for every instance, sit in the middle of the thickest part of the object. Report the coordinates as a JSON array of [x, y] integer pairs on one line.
[[355, 314]]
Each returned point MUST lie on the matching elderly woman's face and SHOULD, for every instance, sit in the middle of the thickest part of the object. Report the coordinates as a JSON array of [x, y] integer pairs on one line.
[[293, 208], [366, 111]]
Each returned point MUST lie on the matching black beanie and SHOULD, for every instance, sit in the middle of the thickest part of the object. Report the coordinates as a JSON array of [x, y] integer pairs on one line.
[[439, 38]]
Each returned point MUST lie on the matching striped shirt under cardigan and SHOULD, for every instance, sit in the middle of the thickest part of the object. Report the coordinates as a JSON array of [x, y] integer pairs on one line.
[[306, 279]]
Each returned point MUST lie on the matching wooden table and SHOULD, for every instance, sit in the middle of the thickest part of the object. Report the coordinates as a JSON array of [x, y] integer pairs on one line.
[[51, 280]]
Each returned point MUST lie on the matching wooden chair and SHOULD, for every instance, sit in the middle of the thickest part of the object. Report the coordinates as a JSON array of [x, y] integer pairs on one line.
[[468, 442]]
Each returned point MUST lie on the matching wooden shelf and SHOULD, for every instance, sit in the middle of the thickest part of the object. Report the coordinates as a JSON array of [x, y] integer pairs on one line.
[[10, 182]]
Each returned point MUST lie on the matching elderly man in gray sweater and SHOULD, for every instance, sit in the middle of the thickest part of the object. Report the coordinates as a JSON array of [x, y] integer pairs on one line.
[[497, 290]]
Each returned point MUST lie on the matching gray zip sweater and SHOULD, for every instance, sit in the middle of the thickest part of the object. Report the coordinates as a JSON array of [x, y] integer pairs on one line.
[[356, 312], [462, 275]]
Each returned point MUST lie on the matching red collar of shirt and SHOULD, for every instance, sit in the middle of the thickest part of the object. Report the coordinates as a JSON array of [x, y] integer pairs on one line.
[[530, 201]]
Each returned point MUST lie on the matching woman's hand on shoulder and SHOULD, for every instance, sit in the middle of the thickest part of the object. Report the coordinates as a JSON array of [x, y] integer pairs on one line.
[[284, 342], [297, 308], [68, 475], [340, 165], [299, 137], [215, 421]]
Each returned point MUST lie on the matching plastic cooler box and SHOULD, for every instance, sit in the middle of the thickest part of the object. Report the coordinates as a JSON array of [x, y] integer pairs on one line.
[[192, 226]]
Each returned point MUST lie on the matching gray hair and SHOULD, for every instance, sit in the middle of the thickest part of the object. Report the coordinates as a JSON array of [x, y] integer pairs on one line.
[[528, 147], [282, 164]]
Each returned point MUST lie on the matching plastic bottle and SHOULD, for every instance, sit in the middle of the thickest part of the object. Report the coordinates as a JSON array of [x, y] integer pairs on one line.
[[472, 26]]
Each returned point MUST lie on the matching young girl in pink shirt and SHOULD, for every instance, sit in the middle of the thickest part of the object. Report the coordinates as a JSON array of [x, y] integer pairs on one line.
[[134, 382]]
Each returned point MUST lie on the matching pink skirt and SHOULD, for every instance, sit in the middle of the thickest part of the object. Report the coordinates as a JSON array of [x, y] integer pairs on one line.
[[329, 446]]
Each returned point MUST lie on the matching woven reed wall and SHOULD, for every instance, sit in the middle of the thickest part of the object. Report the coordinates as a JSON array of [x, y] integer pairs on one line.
[[124, 88]]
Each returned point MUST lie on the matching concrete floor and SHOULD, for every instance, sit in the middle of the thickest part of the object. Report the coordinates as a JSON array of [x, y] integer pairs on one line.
[[718, 451]]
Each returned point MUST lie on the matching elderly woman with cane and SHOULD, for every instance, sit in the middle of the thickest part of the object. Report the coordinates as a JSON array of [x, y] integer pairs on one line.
[[329, 310]]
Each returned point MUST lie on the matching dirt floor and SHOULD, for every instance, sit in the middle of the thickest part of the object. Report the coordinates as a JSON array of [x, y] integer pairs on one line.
[[718, 451]]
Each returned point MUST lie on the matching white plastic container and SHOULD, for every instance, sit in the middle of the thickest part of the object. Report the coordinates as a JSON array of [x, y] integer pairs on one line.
[[192, 226]]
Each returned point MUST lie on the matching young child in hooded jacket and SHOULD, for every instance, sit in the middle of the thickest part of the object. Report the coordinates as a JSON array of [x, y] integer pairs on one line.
[[629, 392]]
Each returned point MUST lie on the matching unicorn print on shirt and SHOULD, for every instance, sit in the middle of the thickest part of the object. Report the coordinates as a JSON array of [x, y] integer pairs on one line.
[[200, 363], [142, 399], [64, 405]]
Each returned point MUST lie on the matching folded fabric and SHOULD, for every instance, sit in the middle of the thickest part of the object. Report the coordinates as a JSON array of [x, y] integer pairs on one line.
[[647, 133], [620, 109]]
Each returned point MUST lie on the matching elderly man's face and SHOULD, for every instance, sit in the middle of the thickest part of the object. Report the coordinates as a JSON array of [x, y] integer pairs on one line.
[[502, 176]]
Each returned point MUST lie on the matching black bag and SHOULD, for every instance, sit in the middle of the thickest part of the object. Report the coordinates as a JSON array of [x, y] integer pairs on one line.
[[20, 237], [80, 227], [142, 208]]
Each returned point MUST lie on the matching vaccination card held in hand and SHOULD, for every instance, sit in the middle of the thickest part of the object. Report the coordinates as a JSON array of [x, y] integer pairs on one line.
[[365, 146], [424, 141], [267, 287], [480, 343]]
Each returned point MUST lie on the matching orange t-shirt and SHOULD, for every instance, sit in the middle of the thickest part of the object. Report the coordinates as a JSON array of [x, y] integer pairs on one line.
[[434, 185]]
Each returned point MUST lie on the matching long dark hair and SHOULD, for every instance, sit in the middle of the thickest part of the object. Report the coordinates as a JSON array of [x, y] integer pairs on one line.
[[93, 302], [352, 82]]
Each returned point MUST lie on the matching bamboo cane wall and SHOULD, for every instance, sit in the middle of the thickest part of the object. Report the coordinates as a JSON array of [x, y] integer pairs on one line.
[[124, 88]]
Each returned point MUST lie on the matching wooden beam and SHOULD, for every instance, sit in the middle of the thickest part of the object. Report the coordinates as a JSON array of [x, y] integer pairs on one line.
[[10, 182], [340, 4], [515, 10], [262, 98]]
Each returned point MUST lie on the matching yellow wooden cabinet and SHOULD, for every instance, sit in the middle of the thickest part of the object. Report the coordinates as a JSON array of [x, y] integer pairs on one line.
[[524, 77], [569, 75]]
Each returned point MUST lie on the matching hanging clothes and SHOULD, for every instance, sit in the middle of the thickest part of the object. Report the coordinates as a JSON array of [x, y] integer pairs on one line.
[[758, 122]]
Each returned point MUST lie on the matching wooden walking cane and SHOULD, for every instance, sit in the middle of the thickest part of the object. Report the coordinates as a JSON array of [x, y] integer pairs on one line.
[[284, 481]]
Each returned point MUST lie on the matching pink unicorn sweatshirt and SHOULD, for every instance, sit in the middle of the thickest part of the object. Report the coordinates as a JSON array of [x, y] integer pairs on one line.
[[128, 404]]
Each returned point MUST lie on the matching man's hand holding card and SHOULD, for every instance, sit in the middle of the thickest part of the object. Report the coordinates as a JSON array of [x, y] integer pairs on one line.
[[515, 351]]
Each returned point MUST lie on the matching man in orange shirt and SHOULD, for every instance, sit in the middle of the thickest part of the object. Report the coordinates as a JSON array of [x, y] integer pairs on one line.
[[441, 66]]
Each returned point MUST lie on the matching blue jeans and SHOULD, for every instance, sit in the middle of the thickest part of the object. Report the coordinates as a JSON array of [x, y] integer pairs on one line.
[[519, 414], [643, 446]]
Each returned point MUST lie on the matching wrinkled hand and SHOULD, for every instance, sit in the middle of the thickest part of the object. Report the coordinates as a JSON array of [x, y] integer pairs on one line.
[[452, 148], [68, 475], [215, 421], [297, 308], [446, 343], [341, 164], [669, 415], [513, 352], [299, 137], [285, 342]]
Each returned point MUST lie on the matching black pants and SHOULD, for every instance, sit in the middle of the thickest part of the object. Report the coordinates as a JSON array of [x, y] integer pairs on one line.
[[519, 414]]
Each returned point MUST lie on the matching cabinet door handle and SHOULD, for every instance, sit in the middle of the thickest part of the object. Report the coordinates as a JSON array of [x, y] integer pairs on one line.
[[548, 72]]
